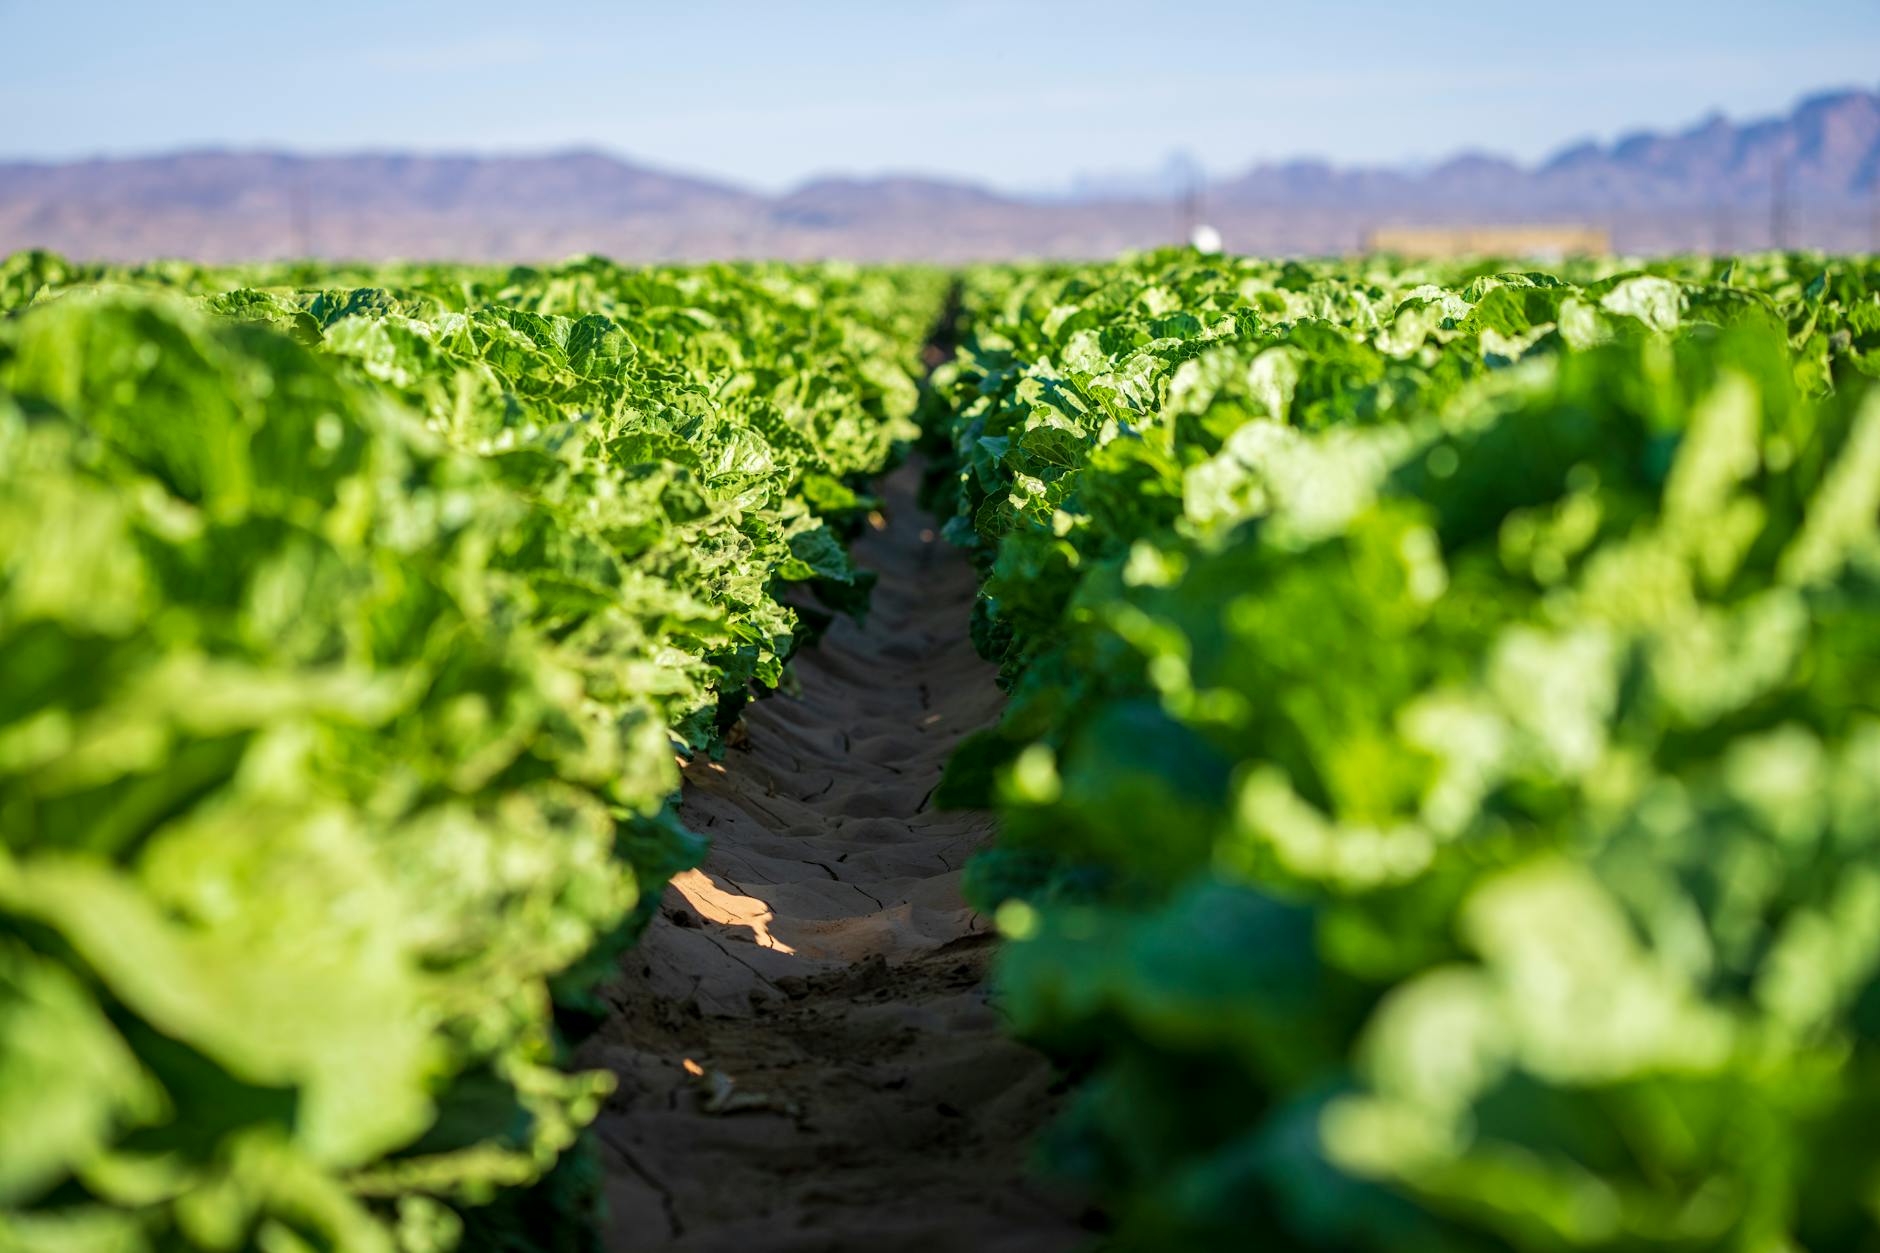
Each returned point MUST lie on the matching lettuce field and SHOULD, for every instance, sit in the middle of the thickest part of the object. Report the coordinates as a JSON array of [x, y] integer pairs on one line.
[[1437, 776]]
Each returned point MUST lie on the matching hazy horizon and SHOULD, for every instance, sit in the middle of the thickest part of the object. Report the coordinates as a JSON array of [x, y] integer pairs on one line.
[[1147, 168], [1023, 101]]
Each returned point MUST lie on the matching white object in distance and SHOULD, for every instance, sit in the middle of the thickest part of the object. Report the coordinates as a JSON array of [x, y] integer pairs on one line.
[[1204, 238]]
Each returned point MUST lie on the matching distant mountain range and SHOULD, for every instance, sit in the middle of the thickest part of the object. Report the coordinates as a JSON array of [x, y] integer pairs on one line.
[[1826, 151], [1813, 176]]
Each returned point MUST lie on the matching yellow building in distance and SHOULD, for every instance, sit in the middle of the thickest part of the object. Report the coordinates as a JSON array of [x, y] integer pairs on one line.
[[1540, 241]]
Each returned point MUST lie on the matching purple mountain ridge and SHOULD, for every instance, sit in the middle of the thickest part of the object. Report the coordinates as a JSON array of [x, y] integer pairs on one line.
[[1828, 149], [1812, 174]]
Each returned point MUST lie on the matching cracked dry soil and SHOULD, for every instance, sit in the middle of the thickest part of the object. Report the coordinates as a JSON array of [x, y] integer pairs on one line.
[[808, 1061]]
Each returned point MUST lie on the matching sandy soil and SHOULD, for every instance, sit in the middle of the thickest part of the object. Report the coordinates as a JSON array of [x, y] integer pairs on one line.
[[807, 1057]]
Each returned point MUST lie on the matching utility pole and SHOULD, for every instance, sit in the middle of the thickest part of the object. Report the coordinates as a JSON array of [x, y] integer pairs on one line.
[[299, 214], [1779, 205], [1722, 229], [1196, 233]]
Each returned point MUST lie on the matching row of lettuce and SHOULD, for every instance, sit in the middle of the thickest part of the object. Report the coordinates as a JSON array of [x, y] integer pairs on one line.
[[1441, 782], [350, 625]]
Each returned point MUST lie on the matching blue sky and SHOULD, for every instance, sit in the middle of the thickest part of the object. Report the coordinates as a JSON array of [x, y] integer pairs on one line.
[[1019, 95]]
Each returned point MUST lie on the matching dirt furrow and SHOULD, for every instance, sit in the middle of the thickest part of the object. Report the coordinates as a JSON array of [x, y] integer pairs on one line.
[[807, 1057]]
